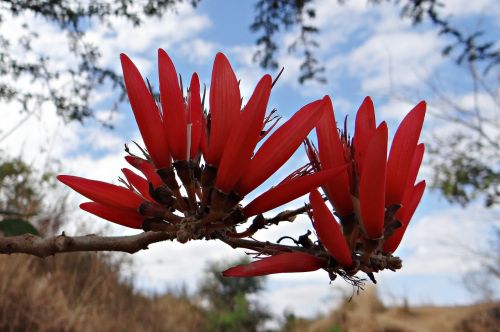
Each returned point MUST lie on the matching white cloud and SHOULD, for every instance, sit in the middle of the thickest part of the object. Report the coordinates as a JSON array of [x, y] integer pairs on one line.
[[167, 32], [394, 109], [398, 59], [199, 51], [468, 8], [446, 241]]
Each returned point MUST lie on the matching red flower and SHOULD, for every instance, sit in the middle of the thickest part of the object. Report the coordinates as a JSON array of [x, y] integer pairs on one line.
[[372, 183], [332, 153], [364, 129], [404, 215], [128, 218], [365, 187], [194, 117], [329, 231], [279, 147], [289, 190], [172, 104], [102, 192], [403, 147], [225, 105], [411, 198], [146, 168], [243, 137], [146, 114], [138, 182], [282, 263], [226, 137]]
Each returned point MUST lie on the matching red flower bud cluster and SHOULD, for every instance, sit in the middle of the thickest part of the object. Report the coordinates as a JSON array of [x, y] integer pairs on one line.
[[198, 165], [178, 136], [374, 198]]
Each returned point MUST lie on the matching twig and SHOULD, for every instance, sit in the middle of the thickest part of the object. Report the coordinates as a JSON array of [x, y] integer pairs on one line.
[[44, 247]]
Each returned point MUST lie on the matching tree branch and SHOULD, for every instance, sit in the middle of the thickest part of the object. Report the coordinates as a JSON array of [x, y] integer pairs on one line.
[[43, 247]]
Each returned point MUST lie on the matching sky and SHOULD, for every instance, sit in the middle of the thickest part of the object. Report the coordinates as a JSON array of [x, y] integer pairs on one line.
[[366, 50]]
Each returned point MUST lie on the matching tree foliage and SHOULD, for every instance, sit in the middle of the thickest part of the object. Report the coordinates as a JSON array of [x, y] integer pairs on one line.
[[273, 16], [68, 90], [465, 154], [23, 208], [461, 176], [229, 305]]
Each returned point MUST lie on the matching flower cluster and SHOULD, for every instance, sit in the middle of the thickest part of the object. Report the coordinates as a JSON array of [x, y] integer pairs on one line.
[[178, 136], [198, 165], [374, 198]]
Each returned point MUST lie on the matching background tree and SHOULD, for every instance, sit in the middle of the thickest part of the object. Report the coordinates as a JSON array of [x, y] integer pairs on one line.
[[229, 305], [274, 16], [66, 89], [22, 205], [69, 89], [466, 159]]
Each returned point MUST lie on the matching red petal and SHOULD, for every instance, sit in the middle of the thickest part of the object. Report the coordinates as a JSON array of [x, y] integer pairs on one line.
[[414, 168], [331, 154], [282, 263], [401, 154], [146, 114], [329, 231], [288, 191], [204, 136], [194, 115], [279, 147], [172, 103], [225, 105], [146, 168], [244, 137], [126, 218], [139, 183], [404, 215], [363, 130], [372, 183], [102, 192]]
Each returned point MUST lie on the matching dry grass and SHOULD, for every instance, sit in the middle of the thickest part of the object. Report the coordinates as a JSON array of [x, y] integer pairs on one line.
[[366, 313], [82, 292]]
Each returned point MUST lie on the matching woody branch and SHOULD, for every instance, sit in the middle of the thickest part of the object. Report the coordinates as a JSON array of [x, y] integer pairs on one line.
[[157, 232]]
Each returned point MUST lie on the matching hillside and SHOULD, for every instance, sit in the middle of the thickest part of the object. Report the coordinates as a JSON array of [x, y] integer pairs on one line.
[[82, 292], [366, 313]]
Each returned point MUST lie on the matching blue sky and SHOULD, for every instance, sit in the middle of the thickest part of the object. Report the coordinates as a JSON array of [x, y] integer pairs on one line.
[[366, 50]]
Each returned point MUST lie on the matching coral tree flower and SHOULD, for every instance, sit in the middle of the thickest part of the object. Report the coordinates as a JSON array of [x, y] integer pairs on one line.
[[216, 157], [179, 138], [281, 263], [122, 217], [329, 231], [225, 106], [375, 186], [289, 190], [146, 114], [372, 195], [280, 146]]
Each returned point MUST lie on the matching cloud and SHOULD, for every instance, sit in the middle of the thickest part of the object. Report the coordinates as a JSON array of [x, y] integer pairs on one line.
[[397, 59], [467, 8], [168, 32], [198, 51], [446, 241]]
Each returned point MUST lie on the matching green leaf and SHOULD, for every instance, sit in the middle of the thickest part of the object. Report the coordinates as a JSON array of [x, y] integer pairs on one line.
[[12, 227]]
